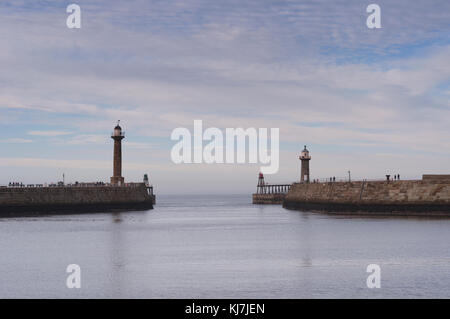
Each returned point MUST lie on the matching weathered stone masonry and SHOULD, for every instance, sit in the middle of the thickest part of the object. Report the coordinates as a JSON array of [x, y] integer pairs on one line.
[[422, 197], [97, 198], [276, 198]]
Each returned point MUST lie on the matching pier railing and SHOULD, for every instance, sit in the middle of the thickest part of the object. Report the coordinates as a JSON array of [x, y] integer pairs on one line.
[[273, 188], [61, 185], [284, 188], [346, 180]]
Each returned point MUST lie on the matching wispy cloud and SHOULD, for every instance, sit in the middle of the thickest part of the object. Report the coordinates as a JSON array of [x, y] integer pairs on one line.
[[16, 140], [87, 139], [70, 163], [49, 133], [311, 68]]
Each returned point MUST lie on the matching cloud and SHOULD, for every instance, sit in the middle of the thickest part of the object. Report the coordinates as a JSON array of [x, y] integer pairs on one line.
[[87, 139], [16, 140], [140, 145], [49, 133], [311, 68], [69, 163]]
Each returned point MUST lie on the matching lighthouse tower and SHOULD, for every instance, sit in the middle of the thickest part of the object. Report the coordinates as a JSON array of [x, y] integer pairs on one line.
[[117, 136], [304, 158]]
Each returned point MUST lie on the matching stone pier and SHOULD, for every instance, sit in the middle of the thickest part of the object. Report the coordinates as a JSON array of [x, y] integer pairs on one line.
[[418, 197], [74, 199]]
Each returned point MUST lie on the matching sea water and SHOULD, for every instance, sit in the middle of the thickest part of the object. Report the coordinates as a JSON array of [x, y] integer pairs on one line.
[[223, 247]]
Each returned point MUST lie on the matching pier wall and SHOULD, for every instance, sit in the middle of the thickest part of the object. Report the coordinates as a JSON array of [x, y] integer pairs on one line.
[[436, 177], [373, 196], [268, 198], [81, 199]]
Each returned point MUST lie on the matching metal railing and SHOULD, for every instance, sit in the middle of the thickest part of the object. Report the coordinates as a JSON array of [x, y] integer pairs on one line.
[[284, 188], [76, 184], [346, 180], [273, 188]]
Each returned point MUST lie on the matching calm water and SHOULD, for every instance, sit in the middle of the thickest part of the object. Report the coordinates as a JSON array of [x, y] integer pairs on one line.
[[223, 247]]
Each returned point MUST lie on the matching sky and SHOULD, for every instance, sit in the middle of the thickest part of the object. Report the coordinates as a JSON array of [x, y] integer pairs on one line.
[[372, 101]]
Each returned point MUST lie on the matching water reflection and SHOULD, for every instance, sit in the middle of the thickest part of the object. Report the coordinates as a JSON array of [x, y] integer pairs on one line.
[[118, 260]]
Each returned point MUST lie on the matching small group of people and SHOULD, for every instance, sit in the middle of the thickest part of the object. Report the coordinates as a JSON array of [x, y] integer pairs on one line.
[[396, 177], [332, 179], [16, 184]]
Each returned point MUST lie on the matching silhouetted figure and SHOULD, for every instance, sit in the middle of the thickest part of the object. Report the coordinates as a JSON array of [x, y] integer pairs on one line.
[[398, 177]]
